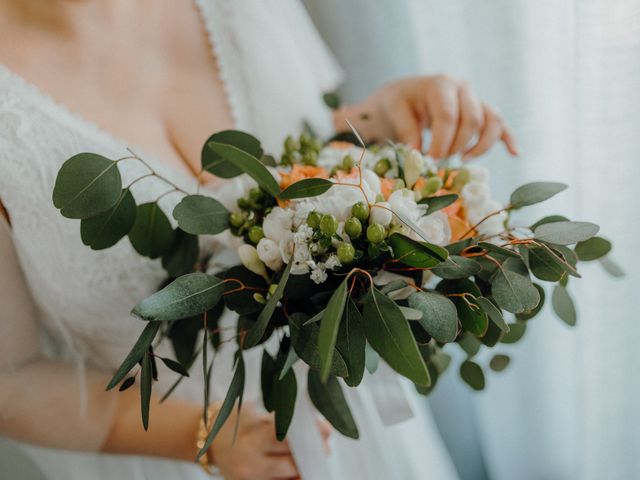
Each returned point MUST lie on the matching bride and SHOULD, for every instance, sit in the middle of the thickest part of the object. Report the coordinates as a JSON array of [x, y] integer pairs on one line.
[[159, 77]]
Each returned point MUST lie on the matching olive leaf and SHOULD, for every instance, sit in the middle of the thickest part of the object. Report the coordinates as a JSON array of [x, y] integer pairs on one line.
[[329, 326], [139, 348], [308, 187], [328, 398], [146, 374]]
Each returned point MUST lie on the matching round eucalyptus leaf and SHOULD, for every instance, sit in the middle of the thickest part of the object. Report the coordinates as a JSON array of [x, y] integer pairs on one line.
[[151, 235], [473, 320], [439, 315], [214, 163], [201, 215], [513, 292], [592, 249], [516, 331], [535, 192], [87, 184], [563, 305], [456, 267], [528, 315], [107, 228], [472, 375], [499, 362], [549, 219], [183, 255], [565, 233]]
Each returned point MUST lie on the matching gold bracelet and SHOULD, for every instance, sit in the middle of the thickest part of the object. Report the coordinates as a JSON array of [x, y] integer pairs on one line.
[[205, 460]]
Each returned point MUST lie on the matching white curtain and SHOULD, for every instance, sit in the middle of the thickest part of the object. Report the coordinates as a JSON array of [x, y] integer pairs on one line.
[[566, 76]]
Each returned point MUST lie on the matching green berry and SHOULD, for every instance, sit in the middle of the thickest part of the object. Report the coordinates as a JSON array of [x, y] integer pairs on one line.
[[376, 233], [316, 144], [328, 224], [305, 140], [236, 219], [431, 186], [360, 210], [313, 220], [382, 166], [243, 203], [272, 289], [461, 179], [256, 194], [353, 227], [346, 252], [255, 234], [347, 163], [310, 158], [290, 145]]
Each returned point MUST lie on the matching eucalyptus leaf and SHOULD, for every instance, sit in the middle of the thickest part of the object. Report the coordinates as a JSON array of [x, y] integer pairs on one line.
[[128, 383], [438, 202], [267, 374], [499, 362], [305, 188], [107, 228], [513, 292], [389, 334], [242, 301], [611, 267], [563, 305], [186, 296], [329, 326], [183, 255], [248, 164], [472, 375], [565, 233], [474, 320], [543, 264], [257, 331], [218, 165], [457, 267], [490, 247], [352, 343], [284, 391], [175, 366], [151, 234], [516, 331], [529, 314], [592, 249], [535, 192], [328, 398], [549, 219], [439, 315], [146, 374], [135, 355], [416, 254], [469, 344], [87, 184], [494, 313], [201, 215]]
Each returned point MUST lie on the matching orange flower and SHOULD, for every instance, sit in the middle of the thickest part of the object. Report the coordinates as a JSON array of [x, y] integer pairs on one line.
[[338, 145], [300, 172], [342, 175], [419, 185], [458, 228], [386, 187]]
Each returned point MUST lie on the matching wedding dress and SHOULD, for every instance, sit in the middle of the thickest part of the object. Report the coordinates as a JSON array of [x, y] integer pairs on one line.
[[274, 68]]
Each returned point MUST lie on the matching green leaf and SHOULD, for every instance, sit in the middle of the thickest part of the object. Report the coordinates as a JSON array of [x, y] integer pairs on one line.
[[438, 202], [563, 305], [529, 314], [235, 391], [593, 249], [516, 331], [146, 374], [330, 402], [331, 100], [499, 362], [308, 187], [543, 264], [494, 313], [389, 334], [351, 343], [87, 184], [183, 255], [257, 330], [248, 164], [611, 267], [457, 267], [535, 192], [492, 336], [304, 339], [416, 254], [284, 392], [128, 383], [565, 233], [473, 320], [472, 375], [469, 344], [439, 315], [549, 219], [139, 348], [107, 228], [186, 296], [219, 166], [201, 215], [242, 301], [175, 366], [490, 247], [513, 292], [292, 358], [458, 247], [267, 374], [151, 234], [329, 326]]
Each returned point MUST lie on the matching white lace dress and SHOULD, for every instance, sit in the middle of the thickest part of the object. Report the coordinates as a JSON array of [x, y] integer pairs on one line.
[[274, 68]]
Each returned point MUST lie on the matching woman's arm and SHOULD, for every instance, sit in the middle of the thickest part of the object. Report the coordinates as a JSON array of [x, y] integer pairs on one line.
[[41, 401]]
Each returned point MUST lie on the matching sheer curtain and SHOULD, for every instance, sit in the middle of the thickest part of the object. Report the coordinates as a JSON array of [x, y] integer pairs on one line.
[[566, 76]]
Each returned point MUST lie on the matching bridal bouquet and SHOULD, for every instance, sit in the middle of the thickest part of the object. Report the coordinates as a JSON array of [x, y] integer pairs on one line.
[[347, 255]]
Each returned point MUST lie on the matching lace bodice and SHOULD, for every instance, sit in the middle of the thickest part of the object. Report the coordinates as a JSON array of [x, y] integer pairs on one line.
[[84, 297]]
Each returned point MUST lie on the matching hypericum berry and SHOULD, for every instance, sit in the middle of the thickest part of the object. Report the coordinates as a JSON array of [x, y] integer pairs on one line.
[[236, 219], [360, 210], [243, 203], [310, 158], [353, 227], [346, 252], [431, 186], [328, 224], [313, 220], [382, 166], [290, 145], [376, 233], [347, 163], [461, 179], [255, 234], [256, 194]]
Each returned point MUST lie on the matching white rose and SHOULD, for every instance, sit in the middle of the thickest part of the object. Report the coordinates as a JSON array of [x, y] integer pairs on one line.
[[435, 229], [478, 212], [372, 179], [381, 214], [286, 245], [250, 259], [403, 202], [478, 173], [413, 167], [475, 193], [269, 252], [277, 223]]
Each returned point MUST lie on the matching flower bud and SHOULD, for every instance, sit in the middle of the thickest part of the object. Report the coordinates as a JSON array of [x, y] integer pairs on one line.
[[413, 167], [347, 163], [256, 194], [431, 186], [462, 177], [249, 258]]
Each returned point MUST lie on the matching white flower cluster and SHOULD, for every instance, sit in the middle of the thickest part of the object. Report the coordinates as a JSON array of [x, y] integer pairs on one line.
[[476, 197]]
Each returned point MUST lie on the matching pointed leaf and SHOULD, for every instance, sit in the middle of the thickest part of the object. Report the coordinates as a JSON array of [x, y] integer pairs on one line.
[[329, 326], [135, 355], [201, 215], [351, 343], [439, 315], [146, 374], [330, 402], [535, 192], [284, 392], [308, 187], [267, 374], [127, 384], [175, 366], [416, 254], [183, 255], [565, 233], [494, 313], [107, 228], [563, 305], [438, 202]]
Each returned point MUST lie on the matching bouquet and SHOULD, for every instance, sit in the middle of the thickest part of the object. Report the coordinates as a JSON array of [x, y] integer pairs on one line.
[[348, 254]]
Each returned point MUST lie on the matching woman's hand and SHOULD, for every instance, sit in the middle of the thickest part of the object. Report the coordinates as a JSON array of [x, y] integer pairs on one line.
[[460, 123], [256, 454]]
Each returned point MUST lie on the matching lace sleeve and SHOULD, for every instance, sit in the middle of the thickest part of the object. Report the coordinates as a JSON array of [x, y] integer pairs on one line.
[[45, 402]]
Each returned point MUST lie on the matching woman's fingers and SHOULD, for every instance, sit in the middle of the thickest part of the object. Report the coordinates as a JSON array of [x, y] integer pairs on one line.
[[405, 124], [281, 467], [471, 120], [325, 429], [509, 142], [492, 130], [444, 109]]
